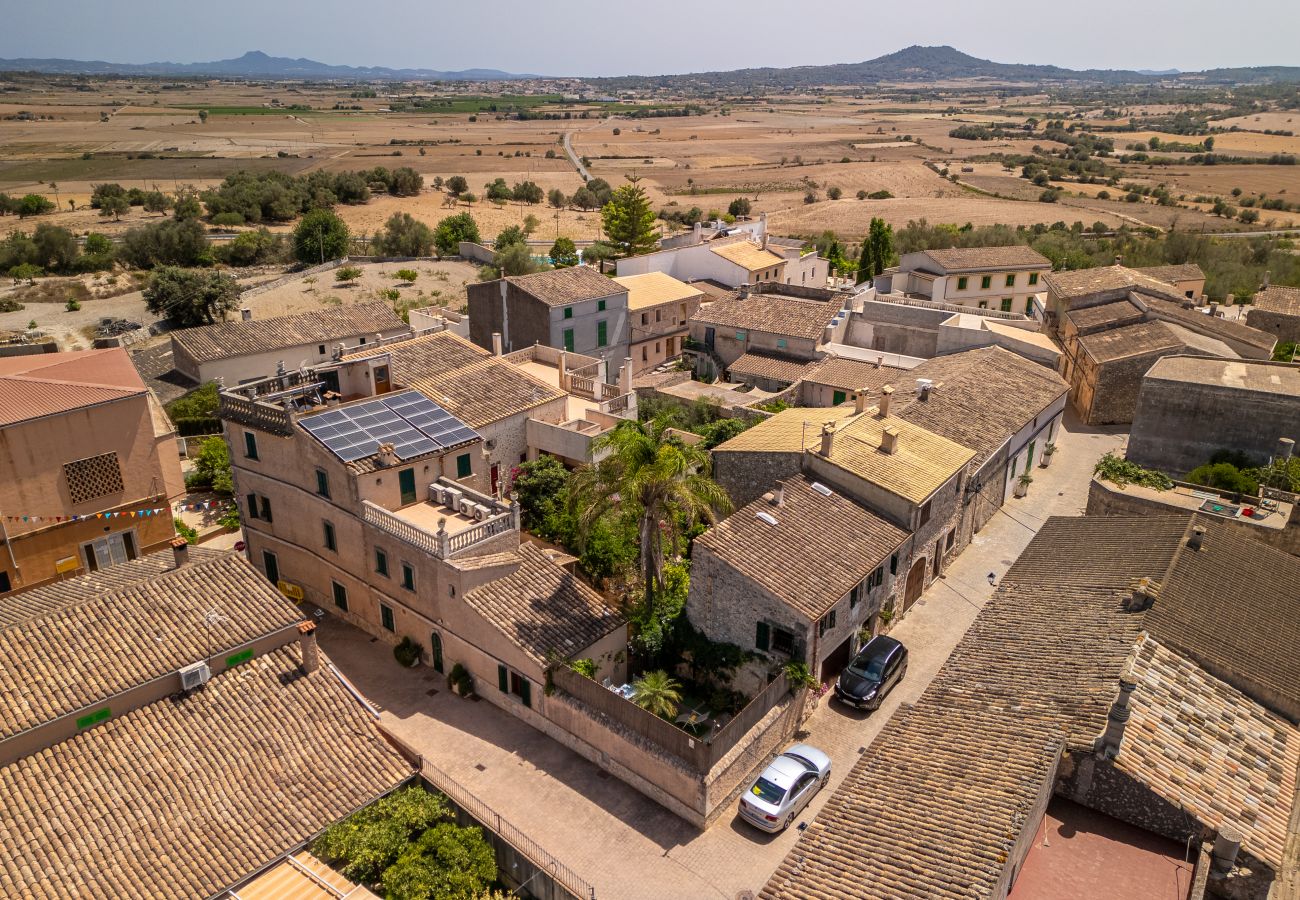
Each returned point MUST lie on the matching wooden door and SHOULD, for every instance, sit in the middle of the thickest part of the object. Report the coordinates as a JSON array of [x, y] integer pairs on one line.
[[915, 583]]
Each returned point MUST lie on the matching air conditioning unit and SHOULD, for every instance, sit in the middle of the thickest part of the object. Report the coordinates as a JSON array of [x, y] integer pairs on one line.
[[194, 675]]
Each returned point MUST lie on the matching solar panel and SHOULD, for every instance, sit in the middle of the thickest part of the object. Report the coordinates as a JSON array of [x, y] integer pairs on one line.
[[410, 421]]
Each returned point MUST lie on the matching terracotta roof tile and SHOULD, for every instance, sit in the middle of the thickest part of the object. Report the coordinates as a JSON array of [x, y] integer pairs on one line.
[[770, 314], [1277, 298], [1214, 326], [1173, 274], [560, 287], [854, 375], [53, 383], [1131, 340], [1017, 256], [922, 463], [766, 365], [1083, 282], [748, 256], [320, 326], [655, 288]]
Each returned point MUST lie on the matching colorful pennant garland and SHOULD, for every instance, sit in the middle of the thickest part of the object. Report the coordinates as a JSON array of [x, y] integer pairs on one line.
[[133, 513]]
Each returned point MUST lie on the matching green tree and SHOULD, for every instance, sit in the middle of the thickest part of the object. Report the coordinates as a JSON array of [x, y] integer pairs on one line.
[[834, 193], [369, 841], [556, 198], [56, 248], [212, 467], [497, 190], [166, 243], [98, 244], [877, 250], [114, 205], [34, 205], [739, 207], [515, 259], [406, 276], [531, 223], [657, 693], [629, 221], [446, 862], [452, 230], [585, 199], [661, 482], [564, 253], [155, 202], [527, 192], [404, 235], [320, 235], [511, 235], [344, 274], [1225, 476], [457, 185], [189, 296], [252, 248], [185, 204], [203, 117]]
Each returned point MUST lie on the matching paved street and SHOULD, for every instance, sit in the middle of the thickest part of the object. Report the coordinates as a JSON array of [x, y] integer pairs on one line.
[[621, 842]]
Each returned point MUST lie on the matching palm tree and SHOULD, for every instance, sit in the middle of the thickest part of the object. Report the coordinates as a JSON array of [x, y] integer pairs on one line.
[[656, 693], [662, 481]]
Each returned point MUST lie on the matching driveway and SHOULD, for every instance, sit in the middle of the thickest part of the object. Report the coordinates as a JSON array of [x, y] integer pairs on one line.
[[621, 842]]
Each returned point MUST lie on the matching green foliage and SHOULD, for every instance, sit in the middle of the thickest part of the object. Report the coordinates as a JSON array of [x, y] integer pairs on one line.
[[1286, 351], [564, 253], [407, 276], [721, 431], [555, 197], [511, 235], [321, 235], [878, 251], [73, 305], [773, 406], [739, 207], [515, 259], [97, 244], [584, 667], [527, 192], [834, 193], [1224, 476], [404, 235], [497, 190], [56, 248], [166, 243], [799, 676], [657, 693], [540, 486], [459, 677], [203, 401], [1278, 475], [189, 296], [34, 205], [365, 844], [452, 230], [254, 248], [407, 653], [1120, 472], [347, 273], [446, 862], [191, 535], [457, 185], [629, 221], [25, 272], [212, 468]]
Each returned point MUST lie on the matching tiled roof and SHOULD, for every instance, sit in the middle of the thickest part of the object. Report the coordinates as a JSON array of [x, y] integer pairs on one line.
[[770, 314], [1131, 340], [789, 431], [654, 288], [1105, 315], [1017, 256], [1173, 274], [820, 547], [1277, 298], [543, 609], [935, 805], [1240, 374], [981, 398], [1220, 328], [52, 383], [80, 651], [768, 365], [467, 381], [749, 257], [560, 287], [188, 797], [712, 290], [1234, 607], [320, 326], [854, 375], [1082, 282], [922, 463], [1212, 750]]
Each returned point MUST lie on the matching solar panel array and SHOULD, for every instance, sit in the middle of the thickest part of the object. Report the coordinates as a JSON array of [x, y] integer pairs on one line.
[[410, 421]]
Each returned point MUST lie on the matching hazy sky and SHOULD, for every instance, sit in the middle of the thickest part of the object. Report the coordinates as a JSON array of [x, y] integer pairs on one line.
[[617, 37]]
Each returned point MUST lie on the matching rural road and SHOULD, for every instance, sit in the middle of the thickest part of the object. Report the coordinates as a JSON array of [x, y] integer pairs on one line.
[[572, 154]]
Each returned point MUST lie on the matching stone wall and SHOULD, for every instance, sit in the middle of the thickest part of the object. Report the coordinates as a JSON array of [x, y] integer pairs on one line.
[[1117, 387], [747, 475], [1282, 326]]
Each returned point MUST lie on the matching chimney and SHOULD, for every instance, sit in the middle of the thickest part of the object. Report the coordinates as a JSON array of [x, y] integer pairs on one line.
[[860, 401], [778, 495], [880, 362], [1117, 718], [496, 344], [744, 291], [886, 397], [563, 368], [889, 440], [1266, 277], [307, 643], [625, 376], [180, 551], [923, 386], [387, 455], [1144, 594], [1229, 300], [1214, 309], [1226, 844], [1198, 535], [697, 233], [339, 350], [1119, 260], [828, 438], [246, 314], [1285, 447]]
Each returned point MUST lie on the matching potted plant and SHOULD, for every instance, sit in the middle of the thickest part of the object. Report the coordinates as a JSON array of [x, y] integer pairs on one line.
[[1048, 452], [1022, 484], [460, 681], [407, 653]]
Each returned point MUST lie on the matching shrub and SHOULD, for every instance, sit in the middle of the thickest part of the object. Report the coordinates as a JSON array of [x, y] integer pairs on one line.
[[191, 535], [799, 676], [347, 273], [1119, 471], [834, 193], [228, 219], [584, 667], [880, 195], [73, 304], [460, 677], [407, 653], [406, 275], [1224, 476]]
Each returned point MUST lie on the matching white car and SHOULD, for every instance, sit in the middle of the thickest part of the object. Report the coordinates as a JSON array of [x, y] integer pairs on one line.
[[777, 796]]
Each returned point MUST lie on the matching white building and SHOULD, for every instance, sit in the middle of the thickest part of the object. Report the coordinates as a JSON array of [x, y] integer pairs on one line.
[[1009, 279]]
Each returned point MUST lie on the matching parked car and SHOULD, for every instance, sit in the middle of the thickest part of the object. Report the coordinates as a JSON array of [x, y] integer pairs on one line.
[[778, 795], [873, 673]]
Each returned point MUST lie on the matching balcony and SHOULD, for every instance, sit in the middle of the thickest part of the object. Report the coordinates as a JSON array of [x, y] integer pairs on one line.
[[453, 519]]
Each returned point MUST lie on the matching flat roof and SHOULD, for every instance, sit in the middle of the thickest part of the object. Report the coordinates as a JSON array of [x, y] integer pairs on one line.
[[1239, 374]]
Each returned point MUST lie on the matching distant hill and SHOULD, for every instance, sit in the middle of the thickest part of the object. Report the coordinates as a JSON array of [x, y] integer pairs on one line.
[[923, 64], [254, 64]]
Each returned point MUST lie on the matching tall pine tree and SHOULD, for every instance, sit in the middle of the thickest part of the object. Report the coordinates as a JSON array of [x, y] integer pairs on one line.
[[629, 221]]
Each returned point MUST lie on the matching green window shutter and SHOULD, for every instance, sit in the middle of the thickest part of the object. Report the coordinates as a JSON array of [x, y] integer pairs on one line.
[[986, 281], [1011, 281], [250, 445], [762, 636], [600, 305], [252, 506], [838, 398], [1006, 304], [961, 283], [602, 334], [464, 466], [406, 483], [526, 692], [266, 509], [568, 312], [568, 339], [503, 679], [1033, 278], [381, 562]]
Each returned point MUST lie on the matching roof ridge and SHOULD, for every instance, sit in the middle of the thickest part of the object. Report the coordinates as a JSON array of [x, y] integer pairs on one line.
[[68, 382]]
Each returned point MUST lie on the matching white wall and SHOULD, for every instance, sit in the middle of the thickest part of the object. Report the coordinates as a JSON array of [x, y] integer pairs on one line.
[[252, 366], [687, 264]]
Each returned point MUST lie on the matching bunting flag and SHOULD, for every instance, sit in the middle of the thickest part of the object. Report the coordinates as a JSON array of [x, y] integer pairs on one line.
[[196, 506]]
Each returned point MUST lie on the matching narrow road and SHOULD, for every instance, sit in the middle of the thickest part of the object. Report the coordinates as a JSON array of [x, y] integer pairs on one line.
[[573, 157]]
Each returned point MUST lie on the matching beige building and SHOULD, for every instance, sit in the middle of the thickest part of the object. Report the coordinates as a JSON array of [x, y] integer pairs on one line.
[[1008, 279], [1187, 278], [88, 466], [1276, 310], [658, 309], [249, 348]]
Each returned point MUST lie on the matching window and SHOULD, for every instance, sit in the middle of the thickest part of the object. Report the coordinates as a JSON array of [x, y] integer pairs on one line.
[[838, 397], [110, 550], [645, 318], [1029, 307], [602, 334], [782, 641], [876, 578], [600, 305], [962, 282], [250, 445], [925, 514], [252, 506], [266, 508], [658, 315], [855, 595], [827, 623], [513, 683], [984, 304], [320, 351], [657, 346], [952, 539], [408, 577], [272, 566], [568, 339], [568, 312], [386, 617], [762, 636], [1033, 278], [464, 469], [340, 595], [740, 335], [1006, 304], [406, 483], [645, 356], [381, 562], [780, 343], [1011, 280], [986, 282], [322, 483], [893, 564], [96, 476], [331, 542]]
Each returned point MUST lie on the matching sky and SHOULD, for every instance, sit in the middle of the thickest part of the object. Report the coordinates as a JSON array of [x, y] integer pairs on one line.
[[618, 37]]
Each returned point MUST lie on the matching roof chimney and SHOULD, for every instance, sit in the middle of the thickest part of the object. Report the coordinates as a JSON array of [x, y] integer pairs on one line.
[[339, 350], [1198, 535], [1229, 300], [886, 397], [1226, 845], [496, 344], [923, 386], [1144, 594], [307, 644], [1285, 447], [1266, 277], [744, 291], [1119, 260], [246, 314], [880, 362], [180, 551], [625, 376], [889, 440], [860, 401], [778, 495], [1117, 718], [387, 455], [828, 438]]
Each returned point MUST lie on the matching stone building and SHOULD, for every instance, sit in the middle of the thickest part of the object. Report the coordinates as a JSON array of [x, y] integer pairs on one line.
[[1189, 408], [1187, 278], [88, 466], [1008, 279], [659, 307], [1114, 673], [1275, 309]]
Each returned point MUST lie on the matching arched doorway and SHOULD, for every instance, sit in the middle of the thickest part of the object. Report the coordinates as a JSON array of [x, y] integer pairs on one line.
[[435, 651], [915, 583]]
